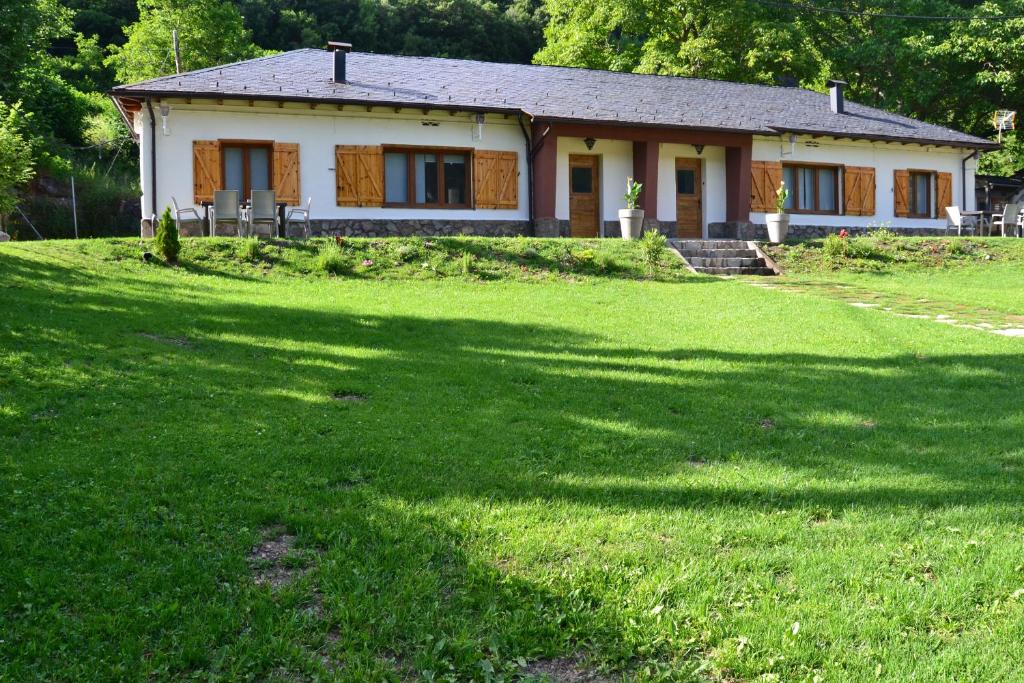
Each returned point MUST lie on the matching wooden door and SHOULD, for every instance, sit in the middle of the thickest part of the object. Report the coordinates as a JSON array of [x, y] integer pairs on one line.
[[584, 198], [689, 221]]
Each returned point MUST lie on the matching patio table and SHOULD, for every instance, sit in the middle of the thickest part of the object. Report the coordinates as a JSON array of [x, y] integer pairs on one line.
[[983, 223], [243, 208]]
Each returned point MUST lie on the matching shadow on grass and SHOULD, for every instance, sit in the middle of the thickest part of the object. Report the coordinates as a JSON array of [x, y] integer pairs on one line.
[[185, 450]]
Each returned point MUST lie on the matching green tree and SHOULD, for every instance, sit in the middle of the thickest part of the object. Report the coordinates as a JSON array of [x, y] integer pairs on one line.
[[210, 32], [166, 238], [15, 156]]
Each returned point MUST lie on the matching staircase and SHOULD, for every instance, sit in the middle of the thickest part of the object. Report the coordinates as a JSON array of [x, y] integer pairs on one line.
[[723, 257]]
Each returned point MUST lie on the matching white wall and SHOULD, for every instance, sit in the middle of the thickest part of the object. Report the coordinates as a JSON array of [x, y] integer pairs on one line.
[[317, 131], [712, 177], [885, 158], [615, 165]]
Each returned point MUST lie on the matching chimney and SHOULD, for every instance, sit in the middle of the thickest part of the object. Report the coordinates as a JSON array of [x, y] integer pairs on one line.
[[339, 50], [835, 89]]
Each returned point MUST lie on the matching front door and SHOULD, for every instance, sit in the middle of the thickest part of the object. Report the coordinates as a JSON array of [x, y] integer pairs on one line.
[[688, 192], [584, 200]]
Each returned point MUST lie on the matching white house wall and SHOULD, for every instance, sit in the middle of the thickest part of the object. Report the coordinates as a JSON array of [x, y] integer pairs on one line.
[[885, 158], [317, 131], [712, 177], [616, 164]]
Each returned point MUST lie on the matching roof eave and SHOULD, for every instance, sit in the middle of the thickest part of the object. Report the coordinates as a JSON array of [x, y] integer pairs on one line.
[[959, 144]]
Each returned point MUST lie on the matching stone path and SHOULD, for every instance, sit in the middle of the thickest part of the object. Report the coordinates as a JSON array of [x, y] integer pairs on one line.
[[944, 312]]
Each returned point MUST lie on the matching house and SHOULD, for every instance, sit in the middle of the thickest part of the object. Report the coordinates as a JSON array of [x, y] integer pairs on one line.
[[992, 192], [389, 145]]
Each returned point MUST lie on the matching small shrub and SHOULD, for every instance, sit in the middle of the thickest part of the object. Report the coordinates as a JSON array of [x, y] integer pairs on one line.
[[959, 248], [530, 254], [467, 263], [407, 253], [166, 237], [835, 247], [604, 262], [652, 249], [330, 259], [251, 250], [585, 256], [863, 248], [883, 234]]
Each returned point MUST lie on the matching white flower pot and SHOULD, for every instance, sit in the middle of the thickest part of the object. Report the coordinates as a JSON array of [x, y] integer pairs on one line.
[[778, 226], [632, 223]]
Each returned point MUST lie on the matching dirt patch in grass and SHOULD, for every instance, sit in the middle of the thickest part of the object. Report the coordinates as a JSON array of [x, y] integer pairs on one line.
[[570, 669], [274, 562], [348, 396], [181, 342]]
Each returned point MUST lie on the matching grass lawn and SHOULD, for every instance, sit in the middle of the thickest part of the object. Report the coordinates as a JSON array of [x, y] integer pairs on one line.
[[539, 464]]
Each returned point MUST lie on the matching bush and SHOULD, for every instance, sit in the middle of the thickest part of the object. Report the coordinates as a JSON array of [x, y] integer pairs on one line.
[[251, 250], [467, 263], [331, 260], [835, 247], [166, 239], [652, 249]]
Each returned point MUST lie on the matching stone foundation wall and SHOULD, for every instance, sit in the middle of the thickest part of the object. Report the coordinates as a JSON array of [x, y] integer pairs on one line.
[[412, 228], [553, 227], [759, 232]]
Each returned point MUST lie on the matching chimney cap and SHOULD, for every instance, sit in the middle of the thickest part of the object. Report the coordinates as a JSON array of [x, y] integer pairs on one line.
[[335, 46], [832, 82]]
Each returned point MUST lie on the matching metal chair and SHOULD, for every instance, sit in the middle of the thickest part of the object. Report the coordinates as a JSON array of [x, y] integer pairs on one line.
[[188, 220], [263, 213], [1008, 220], [954, 219], [300, 215], [226, 211]]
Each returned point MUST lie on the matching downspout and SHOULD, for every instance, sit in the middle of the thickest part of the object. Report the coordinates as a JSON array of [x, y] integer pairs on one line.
[[152, 157], [529, 177], [963, 177]]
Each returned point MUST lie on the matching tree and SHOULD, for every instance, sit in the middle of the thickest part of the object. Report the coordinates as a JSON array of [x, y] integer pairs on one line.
[[166, 237], [15, 156], [211, 32]]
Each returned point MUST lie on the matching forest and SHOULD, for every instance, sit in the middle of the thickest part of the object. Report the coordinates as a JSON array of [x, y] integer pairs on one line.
[[950, 62]]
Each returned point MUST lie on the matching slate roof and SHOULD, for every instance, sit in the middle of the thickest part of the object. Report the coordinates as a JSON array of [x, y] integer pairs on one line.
[[547, 93]]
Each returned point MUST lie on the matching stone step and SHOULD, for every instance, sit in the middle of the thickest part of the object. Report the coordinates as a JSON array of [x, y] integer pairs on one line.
[[735, 271], [718, 253], [709, 244], [725, 262]]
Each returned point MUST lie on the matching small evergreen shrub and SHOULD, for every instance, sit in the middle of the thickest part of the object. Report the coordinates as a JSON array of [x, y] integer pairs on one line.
[[467, 263], [330, 259], [652, 250], [166, 238]]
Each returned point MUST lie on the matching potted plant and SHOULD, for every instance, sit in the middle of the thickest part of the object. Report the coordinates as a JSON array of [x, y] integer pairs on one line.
[[778, 222], [631, 219]]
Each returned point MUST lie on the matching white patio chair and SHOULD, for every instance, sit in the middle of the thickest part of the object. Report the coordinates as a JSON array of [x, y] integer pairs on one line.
[[226, 211], [1008, 221], [189, 222], [299, 215], [263, 213], [954, 219]]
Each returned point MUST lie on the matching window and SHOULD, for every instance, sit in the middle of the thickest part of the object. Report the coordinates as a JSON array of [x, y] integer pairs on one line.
[[812, 189], [920, 199], [426, 177], [246, 167], [686, 181], [582, 180]]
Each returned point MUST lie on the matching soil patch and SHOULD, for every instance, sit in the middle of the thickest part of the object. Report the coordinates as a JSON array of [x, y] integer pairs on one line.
[[181, 342], [563, 670], [273, 561]]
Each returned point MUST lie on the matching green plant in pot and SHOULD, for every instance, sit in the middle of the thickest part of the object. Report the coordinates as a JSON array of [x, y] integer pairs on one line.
[[631, 219], [778, 222]]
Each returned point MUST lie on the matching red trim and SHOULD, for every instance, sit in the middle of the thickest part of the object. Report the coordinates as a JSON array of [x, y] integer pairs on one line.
[[645, 170], [737, 182], [545, 171]]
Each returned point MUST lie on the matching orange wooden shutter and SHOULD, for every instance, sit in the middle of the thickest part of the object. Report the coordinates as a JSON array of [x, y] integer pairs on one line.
[[286, 172], [205, 169], [359, 175], [765, 177], [859, 191], [507, 180], [901, 193], [485, 179], [943, 192]]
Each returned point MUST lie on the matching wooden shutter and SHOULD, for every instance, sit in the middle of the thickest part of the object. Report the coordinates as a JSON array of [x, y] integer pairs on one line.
[[765, 177], [286, 172], [859, 191], [359, 175], [901, 193], [495, 180], [943, 192], [205, 169]]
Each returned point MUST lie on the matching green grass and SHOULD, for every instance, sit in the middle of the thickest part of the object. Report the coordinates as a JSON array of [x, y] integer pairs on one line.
[[662, 476]]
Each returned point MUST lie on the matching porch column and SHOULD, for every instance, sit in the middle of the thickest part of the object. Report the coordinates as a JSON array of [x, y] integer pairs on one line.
[[545, 173], [645, 170], [737, 183]]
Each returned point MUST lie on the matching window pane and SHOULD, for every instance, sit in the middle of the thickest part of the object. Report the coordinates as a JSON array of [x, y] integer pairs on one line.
[[807, 189], [826, 189], [426, 178], [921, 202], [259, 168], [396, 177], [685, 181], [233, 169], [455, 178], [787, 177], [582, 179]]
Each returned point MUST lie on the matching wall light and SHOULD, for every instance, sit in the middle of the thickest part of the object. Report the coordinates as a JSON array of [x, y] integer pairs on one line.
[[589, 142], [165, 111], [699, 148]]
